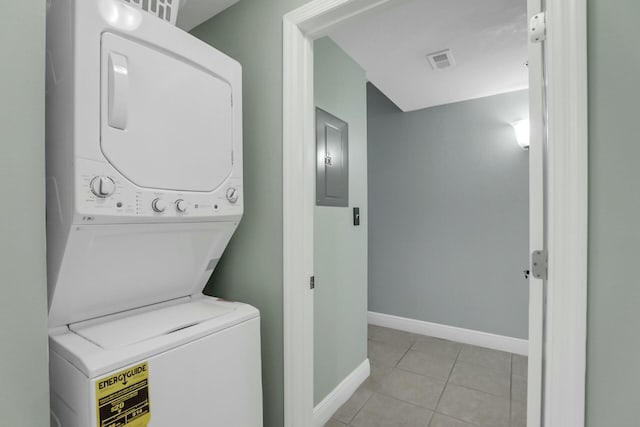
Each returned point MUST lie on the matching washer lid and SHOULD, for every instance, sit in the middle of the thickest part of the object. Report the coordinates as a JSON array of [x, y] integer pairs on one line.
[[141, 327], [166, 123]]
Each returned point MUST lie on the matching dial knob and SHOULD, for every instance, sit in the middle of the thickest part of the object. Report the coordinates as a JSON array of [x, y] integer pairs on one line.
[[159, 205], [182, 206], [232, 194], [102, 186]]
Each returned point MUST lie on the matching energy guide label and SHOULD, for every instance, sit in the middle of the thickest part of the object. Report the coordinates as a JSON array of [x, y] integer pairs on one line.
[[122, 399]]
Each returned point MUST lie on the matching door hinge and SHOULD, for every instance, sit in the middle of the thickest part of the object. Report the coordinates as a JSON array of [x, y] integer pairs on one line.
[[537, 28], [312, 282], [540, 264]]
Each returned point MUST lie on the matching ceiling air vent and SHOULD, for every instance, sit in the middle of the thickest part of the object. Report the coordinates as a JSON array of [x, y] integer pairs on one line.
[[441, 59]]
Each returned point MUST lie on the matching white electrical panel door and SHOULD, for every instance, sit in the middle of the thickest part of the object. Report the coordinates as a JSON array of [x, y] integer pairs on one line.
[[166, 123]]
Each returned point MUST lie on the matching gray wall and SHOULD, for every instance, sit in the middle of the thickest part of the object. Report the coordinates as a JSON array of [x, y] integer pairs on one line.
[[448, 206], [24, 395], [251, 268], [340, 249], [253, 35], [614, 214]]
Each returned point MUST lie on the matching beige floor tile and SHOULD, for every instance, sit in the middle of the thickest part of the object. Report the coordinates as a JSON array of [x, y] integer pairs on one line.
[[384, 354], [480, 378], [351, 407], [392, 336], [335, 423], [427, 364], [499, 361], [518, 414], [383, 411], [474, 406], [518, 388], [413, 388], [469, 386], [440, 420], [520, 365], [437, 347], [377, 375]]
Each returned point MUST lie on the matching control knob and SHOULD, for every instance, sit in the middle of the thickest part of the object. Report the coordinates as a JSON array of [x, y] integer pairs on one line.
[[158, 205], [232, 194], [182, 206], [102, 186]]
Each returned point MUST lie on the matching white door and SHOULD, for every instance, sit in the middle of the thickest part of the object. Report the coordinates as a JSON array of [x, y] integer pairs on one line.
[[165, 122], [537, 241]]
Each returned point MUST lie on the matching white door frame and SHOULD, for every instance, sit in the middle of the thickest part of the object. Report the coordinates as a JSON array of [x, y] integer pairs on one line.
[[565, 333]]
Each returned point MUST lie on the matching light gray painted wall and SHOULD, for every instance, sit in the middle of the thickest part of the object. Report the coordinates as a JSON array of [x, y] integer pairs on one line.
[[613, 374], [24, 395], [448, 207], [251, 268], [340, 249]]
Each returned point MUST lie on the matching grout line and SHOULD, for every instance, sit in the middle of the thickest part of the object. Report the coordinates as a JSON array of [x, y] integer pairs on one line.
[[448, 378], [431, 377], [403, 355], [480, 391], [457, 419], [488, 368], [360, 409], [404, 401]]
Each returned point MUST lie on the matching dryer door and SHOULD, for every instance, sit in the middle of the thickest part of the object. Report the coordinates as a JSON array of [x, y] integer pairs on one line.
[[166, 123]]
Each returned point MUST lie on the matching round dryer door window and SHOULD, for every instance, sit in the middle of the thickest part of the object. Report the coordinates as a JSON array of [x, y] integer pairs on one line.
[[165, 122]]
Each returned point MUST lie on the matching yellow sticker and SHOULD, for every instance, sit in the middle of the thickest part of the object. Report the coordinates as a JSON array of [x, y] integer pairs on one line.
[[122, 399]]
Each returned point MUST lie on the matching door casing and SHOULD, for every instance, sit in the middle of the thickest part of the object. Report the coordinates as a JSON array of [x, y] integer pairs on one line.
[[557, 356]]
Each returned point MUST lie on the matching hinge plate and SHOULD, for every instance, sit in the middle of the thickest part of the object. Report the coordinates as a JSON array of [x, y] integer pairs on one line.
[[312, 282], [540, 264], [537, 28]]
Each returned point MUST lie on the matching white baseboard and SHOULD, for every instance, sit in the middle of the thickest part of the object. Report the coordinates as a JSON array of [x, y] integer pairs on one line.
[[452, 333], [323, 412]]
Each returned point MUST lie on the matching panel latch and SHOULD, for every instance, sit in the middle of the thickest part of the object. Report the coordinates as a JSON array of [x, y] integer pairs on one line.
[[312, 282]]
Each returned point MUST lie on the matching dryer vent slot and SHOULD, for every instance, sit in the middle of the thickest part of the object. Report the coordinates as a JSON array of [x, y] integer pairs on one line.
[[166, 10], [180, 328]]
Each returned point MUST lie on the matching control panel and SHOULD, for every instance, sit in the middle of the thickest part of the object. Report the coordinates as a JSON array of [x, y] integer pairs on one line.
[[103, 192]]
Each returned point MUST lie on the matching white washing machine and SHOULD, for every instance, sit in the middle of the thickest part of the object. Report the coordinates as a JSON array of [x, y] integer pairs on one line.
[[144, 191]]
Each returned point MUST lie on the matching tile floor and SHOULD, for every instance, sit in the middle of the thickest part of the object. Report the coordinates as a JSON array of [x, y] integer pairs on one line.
[[420, 381]]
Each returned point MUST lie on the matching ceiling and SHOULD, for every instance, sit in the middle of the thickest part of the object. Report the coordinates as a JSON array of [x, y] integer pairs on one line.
[[488, 40]]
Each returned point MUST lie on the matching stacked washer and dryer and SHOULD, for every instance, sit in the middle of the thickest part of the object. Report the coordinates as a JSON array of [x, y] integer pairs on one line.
[[144, 191]]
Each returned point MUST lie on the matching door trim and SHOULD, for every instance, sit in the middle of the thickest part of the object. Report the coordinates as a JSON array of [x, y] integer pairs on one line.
[[567, 213], [566, 71]]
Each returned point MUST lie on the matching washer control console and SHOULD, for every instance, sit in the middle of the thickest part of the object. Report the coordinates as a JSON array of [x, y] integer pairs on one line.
[[232, 194], [108, 195], [102, 186], [182, 206], [158, 205]]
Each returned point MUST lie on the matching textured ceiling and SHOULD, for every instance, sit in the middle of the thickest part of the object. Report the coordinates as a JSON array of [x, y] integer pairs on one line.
[[488, 39]]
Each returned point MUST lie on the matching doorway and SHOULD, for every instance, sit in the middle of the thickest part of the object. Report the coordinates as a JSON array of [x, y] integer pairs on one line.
[[301, 27]]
